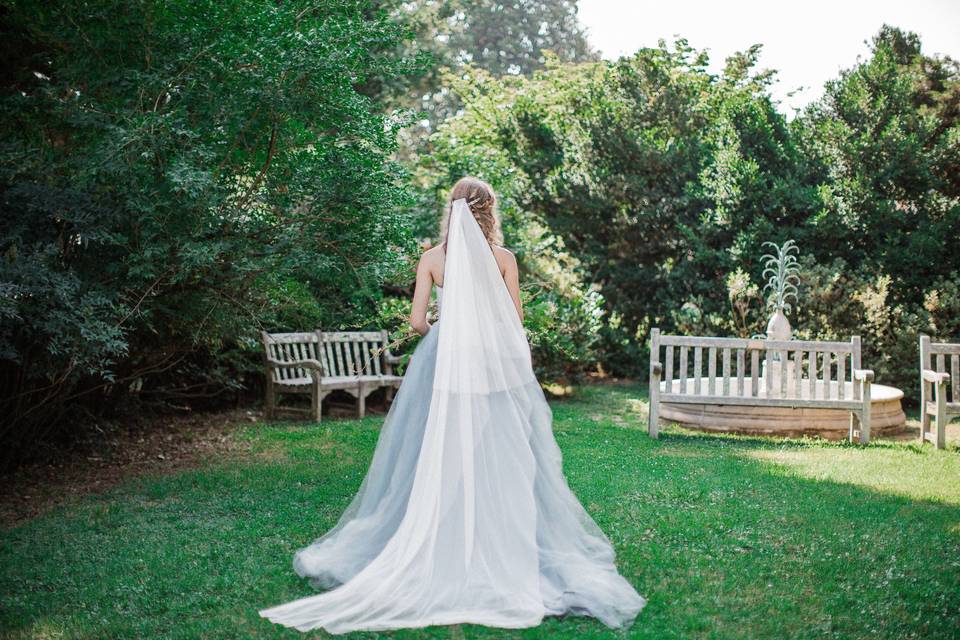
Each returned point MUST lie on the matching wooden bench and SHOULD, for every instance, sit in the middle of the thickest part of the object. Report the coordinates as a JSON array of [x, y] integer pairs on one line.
[[934, 382], [318, 362], [733, 375]]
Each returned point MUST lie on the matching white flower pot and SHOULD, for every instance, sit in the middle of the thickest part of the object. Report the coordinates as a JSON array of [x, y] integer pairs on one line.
[[778, 327]]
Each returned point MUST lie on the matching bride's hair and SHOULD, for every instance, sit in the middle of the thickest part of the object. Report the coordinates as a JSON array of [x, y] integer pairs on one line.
[[483, 204]]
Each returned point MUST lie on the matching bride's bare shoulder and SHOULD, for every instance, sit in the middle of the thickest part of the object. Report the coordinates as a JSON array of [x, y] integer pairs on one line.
[[431, 261], [432, 255], [504, 255]]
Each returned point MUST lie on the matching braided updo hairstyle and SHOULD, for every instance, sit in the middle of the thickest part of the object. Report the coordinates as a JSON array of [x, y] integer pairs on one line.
[[483, 204]]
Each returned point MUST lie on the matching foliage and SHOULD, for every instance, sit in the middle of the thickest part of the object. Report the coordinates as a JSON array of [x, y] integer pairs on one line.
[[727, 537], [563, 310], [502, 38], [175, 176], [744, 299], [563, 316], [666, 181], [942, 304], [883, 146], [660, 178], [467, 39], [511, 37]]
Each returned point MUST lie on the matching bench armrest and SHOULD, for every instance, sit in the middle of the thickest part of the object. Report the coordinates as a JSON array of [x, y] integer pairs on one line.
[[392, 359], [934, 376], [656, 368], [302, 364], [863, 375]]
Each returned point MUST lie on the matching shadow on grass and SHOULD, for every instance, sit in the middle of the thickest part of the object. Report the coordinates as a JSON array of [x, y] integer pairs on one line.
[[722, 544], [728, 545], [677, 433]]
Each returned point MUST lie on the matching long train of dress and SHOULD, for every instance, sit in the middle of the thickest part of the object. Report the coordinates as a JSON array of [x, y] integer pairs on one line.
[[464, 515]]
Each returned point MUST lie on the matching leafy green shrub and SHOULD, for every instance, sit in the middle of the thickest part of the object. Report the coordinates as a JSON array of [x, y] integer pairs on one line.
[[658, 177], [563, 312], [664, 181], [942, 304], [883, 148], [175, 176], [835, 303], [563, 328]]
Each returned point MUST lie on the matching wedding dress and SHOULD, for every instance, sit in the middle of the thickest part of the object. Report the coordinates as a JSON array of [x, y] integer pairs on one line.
[[464, 515]]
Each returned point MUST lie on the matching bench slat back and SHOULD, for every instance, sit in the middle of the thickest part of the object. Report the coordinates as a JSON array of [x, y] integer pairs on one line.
[[289, 347], [341, 353], [942, 357], [794, 369], [351, 353]]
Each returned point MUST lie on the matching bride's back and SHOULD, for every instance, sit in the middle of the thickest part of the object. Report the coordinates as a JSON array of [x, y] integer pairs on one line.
[[482, 206], [435, 259]]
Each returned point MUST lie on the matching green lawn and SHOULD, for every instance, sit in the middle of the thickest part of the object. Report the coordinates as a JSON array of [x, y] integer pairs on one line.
[[726, 537]]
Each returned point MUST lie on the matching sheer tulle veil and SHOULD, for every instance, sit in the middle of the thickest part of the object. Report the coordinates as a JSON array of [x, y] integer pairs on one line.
[[464, 515]]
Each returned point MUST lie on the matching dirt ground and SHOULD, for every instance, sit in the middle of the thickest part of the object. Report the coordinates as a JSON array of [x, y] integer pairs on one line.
[[114, 453]]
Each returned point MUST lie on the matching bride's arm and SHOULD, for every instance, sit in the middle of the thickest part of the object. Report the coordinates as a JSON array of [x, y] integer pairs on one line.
[[421, 297], [511, 275]]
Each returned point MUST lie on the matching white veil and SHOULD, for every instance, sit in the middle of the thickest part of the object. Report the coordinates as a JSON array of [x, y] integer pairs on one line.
[[464, 516]]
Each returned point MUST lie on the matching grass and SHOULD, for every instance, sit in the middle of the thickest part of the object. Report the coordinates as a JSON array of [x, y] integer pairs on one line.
[[727, 537]]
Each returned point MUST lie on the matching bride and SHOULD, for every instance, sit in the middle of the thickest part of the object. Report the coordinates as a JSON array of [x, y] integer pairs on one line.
[[464, 515]]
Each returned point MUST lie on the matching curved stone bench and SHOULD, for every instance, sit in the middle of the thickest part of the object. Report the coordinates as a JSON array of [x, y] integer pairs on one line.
[[760, 380], [886, 414]]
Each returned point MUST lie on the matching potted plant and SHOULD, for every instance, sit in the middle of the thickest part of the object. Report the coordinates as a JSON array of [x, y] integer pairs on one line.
[[782, 273]]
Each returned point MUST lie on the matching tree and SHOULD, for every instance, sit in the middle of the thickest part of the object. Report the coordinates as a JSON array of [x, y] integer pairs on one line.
[[659, 178], [511, 37], [663, 181], [502, 38], [174, 175], [884, 146]]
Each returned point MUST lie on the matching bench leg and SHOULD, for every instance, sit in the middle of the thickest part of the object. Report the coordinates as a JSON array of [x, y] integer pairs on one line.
[[865, 420], [940, 397], [390, 392], [270, 401], [361, 401], [924, 416], [653, 417], [854, 424], [316, 399]]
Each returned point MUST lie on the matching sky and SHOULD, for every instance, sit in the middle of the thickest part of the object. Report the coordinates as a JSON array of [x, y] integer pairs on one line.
[[808, 43]]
